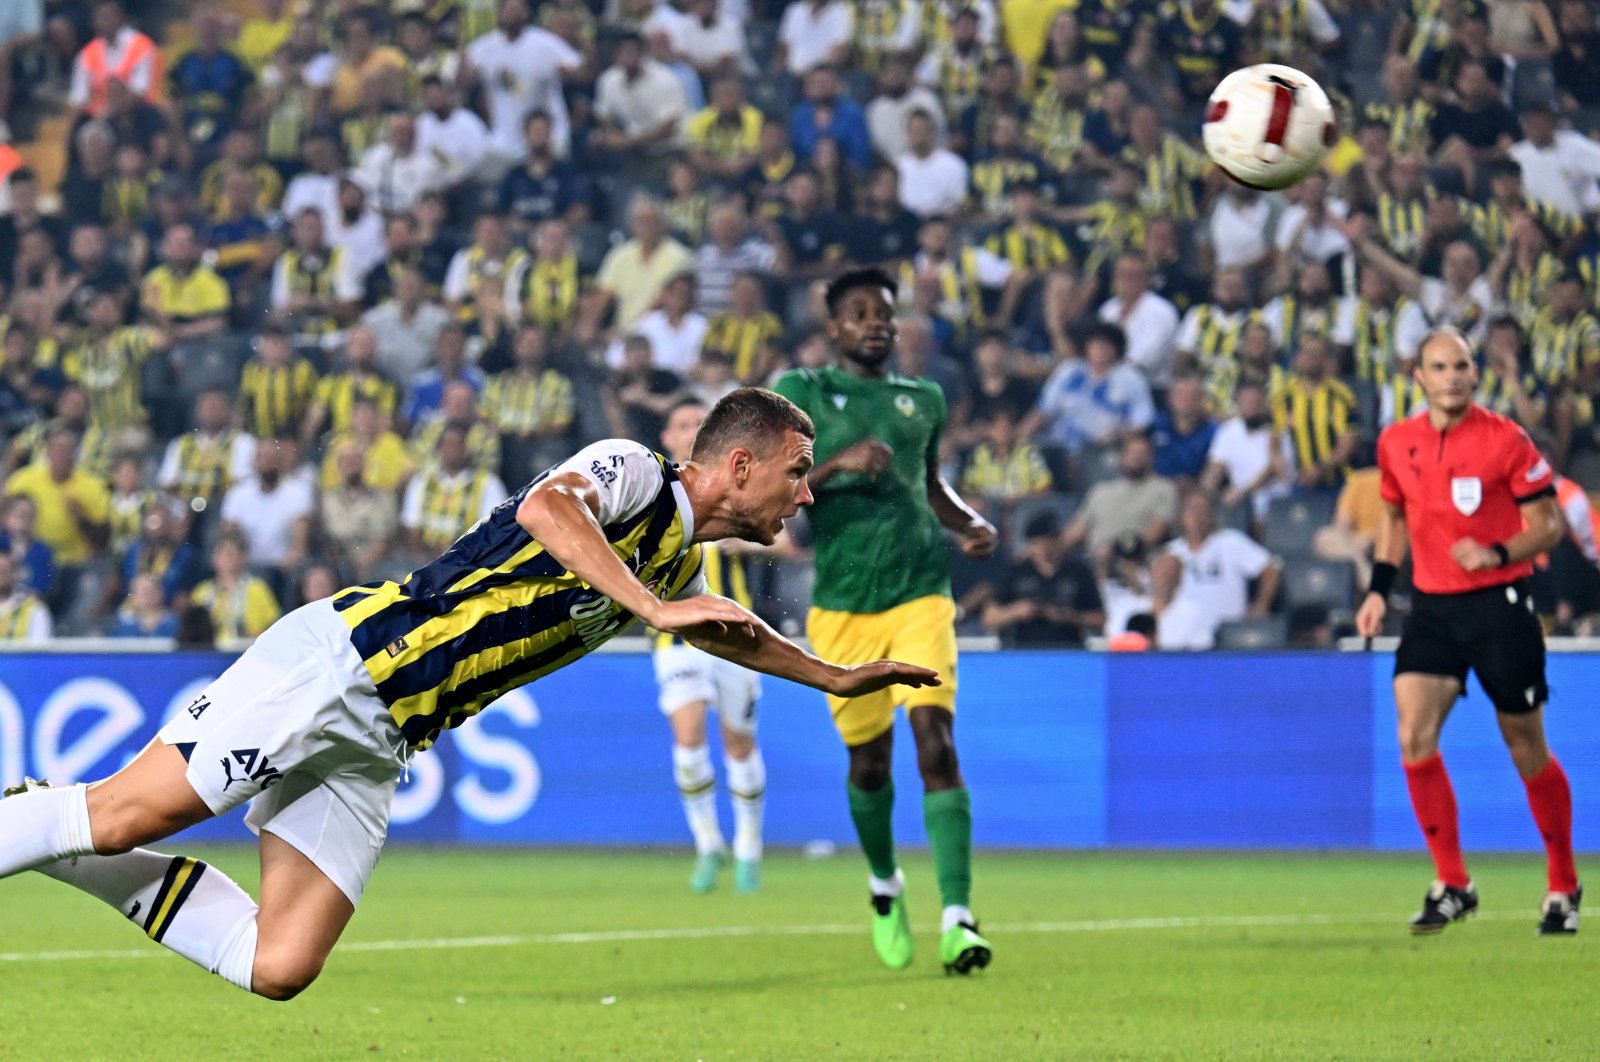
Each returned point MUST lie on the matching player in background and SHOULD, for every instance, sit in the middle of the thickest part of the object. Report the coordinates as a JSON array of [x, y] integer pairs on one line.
[[1473, 496], [883, 585], [314, 724], [693, 682]]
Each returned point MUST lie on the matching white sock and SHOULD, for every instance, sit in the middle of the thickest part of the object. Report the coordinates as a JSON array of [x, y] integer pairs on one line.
[[888, 886], [747, 784], [183, 904], [953, 916], [697, 785], [42, 826]]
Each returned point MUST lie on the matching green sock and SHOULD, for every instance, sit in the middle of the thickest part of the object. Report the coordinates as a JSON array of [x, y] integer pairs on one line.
[[948, 816], [873, 813]]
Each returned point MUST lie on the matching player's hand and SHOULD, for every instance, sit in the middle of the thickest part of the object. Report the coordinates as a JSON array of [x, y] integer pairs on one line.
[[979, 539], [1369, 617], [1473, 557], [871, 456], [704, 610], [880, 674]]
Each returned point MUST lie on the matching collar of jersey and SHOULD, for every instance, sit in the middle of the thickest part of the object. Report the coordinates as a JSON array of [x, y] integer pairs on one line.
[[684, 510]]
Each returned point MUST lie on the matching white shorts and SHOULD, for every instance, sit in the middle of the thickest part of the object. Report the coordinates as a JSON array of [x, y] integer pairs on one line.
[[688, 675], [296, 727]]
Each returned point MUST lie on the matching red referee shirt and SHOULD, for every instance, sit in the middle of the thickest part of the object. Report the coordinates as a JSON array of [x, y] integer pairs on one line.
[[1463, 482]]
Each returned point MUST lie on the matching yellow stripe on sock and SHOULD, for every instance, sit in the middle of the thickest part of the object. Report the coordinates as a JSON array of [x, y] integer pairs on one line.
[[167, 902]]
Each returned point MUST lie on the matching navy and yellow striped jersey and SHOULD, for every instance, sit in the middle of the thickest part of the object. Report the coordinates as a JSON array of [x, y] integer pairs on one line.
[[726, 576], [497, 611]]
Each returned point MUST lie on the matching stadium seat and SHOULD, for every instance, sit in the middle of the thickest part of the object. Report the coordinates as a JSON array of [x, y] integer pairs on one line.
[[1330, 584], [1292, 523], [1063, 505], [1268, 632], [1583, 468], [1237, 516]]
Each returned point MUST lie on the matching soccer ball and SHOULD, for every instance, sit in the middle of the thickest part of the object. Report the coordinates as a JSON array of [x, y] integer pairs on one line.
[[1268, 126]]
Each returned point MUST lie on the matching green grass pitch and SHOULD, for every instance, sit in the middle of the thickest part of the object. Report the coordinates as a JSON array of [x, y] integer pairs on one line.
[[577, 955]]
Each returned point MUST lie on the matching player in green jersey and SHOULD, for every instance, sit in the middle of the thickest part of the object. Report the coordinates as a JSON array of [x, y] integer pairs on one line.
[[883, 580]]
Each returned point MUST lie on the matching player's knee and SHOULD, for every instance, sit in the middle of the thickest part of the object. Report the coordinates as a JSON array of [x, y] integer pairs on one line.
[[118, 828], [738, 746], [869, 769], [280, 975], [936, 759]]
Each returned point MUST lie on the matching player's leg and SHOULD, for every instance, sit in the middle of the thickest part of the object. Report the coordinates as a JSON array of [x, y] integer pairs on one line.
[[1423, 702], [302, 915], [687, 688], [1430, 672], [737, 695], [181, 903], [866, 725], [697, 788], [1511, 665]]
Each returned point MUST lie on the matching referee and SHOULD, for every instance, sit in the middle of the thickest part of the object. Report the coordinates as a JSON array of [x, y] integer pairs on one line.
[[1476, 499]]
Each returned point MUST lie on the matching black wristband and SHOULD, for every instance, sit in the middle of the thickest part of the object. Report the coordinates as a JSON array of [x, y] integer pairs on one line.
[[1383, 576], [1501, 552]]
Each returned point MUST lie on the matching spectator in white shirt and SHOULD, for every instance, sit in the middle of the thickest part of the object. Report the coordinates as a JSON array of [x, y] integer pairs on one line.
[[898, 98], [640, 104], [317, 185], [272, 510], [676, 332], [521, 68], [452, 134], [406, 326], [1559, 167], [1306, 232], [398, 170], [1249, 458], [934, 181], [1148, 320], [1240, 229], [713, 44], [814, 33], [355, 228], [1203, 579], [1092, 400]]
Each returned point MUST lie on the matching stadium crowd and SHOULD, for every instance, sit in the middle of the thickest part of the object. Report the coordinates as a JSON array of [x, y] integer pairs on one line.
[[322, 281]]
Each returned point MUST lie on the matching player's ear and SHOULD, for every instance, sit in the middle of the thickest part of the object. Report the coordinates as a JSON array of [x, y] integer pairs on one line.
[[740, 464]]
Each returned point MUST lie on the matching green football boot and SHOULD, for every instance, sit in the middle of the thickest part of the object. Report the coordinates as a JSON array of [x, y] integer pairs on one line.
[[963, 949], [28, 786], [706, 869], [747, 875], [891, 931]]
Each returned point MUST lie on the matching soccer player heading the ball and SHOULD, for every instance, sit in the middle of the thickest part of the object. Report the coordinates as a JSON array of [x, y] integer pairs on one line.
[[883, 585], [1477, 503], [316, 721]]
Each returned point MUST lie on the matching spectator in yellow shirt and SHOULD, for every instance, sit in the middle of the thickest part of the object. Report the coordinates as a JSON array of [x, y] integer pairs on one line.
[[74, 511], [387, 460], [240, 604]]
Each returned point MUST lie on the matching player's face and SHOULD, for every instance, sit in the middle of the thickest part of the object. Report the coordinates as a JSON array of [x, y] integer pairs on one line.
[[773, 489], [864, 328], [1448, 375]]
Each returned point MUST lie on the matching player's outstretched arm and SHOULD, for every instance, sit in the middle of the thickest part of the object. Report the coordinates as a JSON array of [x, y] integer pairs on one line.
[[562, 513], [769, 652]]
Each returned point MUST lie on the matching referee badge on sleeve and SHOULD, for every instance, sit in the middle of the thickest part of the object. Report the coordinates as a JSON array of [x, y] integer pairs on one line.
[[1467, 494]]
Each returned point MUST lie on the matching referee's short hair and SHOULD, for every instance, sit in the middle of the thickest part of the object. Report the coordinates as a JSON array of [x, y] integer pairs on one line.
[[1444, 332], [752, 417]]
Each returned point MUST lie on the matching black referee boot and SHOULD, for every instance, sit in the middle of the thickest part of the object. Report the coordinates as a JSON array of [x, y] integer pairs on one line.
[[1444, 904], [1559, 917]]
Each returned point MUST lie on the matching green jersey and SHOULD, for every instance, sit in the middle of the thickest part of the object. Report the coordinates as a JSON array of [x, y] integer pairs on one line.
[[878, 542]]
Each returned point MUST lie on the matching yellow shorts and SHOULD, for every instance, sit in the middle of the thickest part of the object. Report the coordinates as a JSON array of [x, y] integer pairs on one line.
[[920, 632]]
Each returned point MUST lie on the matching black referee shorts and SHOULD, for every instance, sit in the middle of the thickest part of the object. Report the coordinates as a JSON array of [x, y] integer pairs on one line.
[[1493, 632]]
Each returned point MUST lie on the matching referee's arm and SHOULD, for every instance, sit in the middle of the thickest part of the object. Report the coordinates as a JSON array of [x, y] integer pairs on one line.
[[1543, 526], [1390, 549]]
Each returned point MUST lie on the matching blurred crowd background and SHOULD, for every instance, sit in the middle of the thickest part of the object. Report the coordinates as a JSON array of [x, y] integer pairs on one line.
[[295, 292]]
